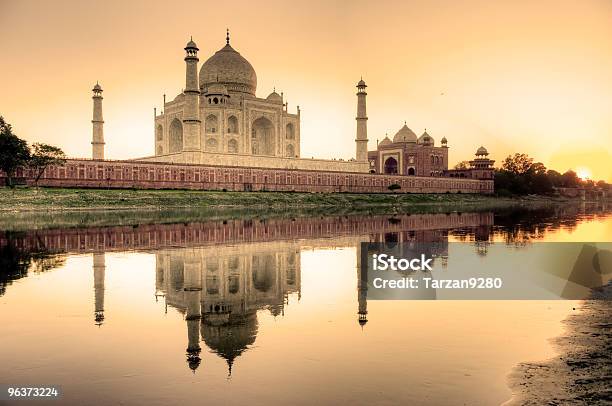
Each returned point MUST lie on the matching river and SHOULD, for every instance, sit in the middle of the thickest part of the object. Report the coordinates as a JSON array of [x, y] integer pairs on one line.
[[265, 311]]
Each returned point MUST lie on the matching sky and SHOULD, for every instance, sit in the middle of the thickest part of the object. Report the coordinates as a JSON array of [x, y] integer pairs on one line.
[[515, 76]]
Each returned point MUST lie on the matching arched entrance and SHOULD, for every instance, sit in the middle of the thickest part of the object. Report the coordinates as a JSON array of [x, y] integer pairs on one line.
[[290, 151], [263, 272], [391, 166], [176, 136], [262, 137], [411, 172]]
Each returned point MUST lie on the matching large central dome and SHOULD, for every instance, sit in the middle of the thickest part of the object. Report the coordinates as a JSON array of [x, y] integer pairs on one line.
[[229, 68]]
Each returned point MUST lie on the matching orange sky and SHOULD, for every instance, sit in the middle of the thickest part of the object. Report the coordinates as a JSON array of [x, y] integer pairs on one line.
[[515, 76]]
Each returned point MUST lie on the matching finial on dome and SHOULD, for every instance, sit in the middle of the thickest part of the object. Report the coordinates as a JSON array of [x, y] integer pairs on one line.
[[227, 36]]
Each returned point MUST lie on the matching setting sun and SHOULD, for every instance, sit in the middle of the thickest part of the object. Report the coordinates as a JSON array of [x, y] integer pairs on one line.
[[583, 173]]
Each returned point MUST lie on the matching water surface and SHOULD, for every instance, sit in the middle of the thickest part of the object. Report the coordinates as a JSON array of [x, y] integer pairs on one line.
[[266, 312]]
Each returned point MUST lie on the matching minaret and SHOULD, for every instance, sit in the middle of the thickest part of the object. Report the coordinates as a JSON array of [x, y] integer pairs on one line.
[[99, 266], [361, 142], [192, 277], [97, 141], [191, 108]]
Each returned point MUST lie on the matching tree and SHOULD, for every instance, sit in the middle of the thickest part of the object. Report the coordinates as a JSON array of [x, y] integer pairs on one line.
[[570, 179], [555, 177], [42, 156], [393, 187], [14, 152], [462, 165], [538, 168], [517, 164]]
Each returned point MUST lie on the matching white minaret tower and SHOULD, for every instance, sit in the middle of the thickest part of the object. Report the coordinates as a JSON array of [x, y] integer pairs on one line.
[[361, 142], [97, 141], [191, 108]]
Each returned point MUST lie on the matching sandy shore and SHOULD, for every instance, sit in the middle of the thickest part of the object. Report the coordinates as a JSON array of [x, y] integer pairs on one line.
[[582, 372]]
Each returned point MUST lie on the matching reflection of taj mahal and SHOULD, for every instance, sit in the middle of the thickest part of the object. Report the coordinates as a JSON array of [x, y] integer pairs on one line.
[[220, 290]]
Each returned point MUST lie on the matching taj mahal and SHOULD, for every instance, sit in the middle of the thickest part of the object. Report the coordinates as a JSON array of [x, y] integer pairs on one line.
[[218, 112], [218, 120], [217, 134]]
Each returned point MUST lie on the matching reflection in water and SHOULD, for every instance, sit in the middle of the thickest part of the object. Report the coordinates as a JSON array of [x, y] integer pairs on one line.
[[99, 267], [219, 275], [220, 289]]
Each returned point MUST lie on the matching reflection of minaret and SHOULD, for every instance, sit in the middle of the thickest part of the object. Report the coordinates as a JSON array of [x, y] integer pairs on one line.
[[99, 267], [362, 289], [193, 294]]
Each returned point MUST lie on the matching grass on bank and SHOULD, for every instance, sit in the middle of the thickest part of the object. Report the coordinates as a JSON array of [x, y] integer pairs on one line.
[[23, 199], [25, 209]]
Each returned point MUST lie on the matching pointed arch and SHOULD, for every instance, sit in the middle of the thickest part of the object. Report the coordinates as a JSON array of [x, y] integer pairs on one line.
[[232, 125], [176, 136], [211, 145], [391, 166], [232, 146], [290, 131], [262, 134], [211, 124]]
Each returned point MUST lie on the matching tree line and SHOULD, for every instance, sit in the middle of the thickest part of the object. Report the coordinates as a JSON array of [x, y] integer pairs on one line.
[[519, 175], [15, 153]]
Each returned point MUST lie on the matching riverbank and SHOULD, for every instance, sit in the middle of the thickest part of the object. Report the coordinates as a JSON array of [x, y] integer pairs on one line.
[[23, 209], [49, 199], [581, 372]]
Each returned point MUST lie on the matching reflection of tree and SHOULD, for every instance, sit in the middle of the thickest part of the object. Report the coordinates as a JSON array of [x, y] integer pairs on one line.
[[16, 262], [522, 226]]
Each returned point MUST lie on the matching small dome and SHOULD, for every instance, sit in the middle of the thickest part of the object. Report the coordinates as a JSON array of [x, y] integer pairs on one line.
[[191, 45], [482, 151], [405, 134], [217, 88], [97, 87], [361, 83], [426, 139], [443, 140], [385, 141], [274, 97]]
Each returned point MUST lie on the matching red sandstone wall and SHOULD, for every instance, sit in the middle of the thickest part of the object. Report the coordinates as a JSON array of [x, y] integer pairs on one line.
[[149, 175]]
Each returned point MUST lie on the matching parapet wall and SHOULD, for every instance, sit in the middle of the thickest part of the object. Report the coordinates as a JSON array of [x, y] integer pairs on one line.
[[155, 175], [258, 161]]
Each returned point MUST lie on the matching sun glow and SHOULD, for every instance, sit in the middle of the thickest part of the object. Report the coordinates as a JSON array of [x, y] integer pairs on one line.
[[583, 173]]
